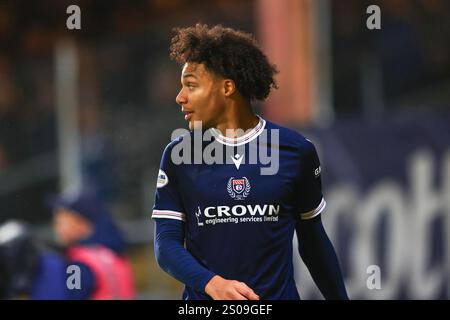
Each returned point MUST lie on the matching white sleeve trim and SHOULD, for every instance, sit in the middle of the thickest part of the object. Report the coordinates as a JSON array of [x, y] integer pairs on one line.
[[313, 213], [168, 214]]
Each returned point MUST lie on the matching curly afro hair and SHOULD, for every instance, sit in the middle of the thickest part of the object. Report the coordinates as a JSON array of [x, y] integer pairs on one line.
[[229, 53]]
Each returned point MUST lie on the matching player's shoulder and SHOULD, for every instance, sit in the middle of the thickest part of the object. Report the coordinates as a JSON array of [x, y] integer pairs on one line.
[[185, 136], [292, 138]]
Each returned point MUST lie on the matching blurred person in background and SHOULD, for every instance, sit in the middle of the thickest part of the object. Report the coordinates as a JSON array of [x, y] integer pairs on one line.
[[246, 255], [86, 230], [30, 270], [27, 269]]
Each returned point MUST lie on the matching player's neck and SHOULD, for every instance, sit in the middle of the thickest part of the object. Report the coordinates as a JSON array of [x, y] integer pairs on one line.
[[238, 119]]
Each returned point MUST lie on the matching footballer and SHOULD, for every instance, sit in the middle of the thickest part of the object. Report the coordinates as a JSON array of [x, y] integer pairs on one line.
[[225, 229]]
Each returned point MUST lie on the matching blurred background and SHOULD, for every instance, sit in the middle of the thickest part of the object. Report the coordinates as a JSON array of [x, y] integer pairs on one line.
[[94, 108]]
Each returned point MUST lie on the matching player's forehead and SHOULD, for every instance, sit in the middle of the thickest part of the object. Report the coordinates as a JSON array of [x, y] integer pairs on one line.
[[194, 70]]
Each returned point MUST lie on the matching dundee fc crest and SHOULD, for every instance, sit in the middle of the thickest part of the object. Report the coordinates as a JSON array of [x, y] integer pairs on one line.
[[238, 189]]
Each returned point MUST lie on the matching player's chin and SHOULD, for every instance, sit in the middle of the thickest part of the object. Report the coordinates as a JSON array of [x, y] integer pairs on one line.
[[195, 124]]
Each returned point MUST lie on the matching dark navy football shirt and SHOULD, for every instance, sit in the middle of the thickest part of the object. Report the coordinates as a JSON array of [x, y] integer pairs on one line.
[[240, 223]]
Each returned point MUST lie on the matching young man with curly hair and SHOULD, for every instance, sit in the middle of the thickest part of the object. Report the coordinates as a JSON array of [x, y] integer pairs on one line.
[[225, 229]]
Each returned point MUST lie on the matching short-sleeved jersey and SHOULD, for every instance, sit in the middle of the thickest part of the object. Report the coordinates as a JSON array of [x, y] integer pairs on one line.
[[239, 222]]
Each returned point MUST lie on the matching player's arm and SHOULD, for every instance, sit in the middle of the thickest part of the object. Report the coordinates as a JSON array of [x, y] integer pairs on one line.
[[173, 258], [315, 247], [320, 258], [169, 234]]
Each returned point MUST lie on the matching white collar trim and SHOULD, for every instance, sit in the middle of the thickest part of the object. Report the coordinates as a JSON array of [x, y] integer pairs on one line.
[[249, 136]]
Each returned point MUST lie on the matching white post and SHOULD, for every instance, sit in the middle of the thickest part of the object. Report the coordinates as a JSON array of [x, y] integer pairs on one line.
[[66, 82], [322, 83]]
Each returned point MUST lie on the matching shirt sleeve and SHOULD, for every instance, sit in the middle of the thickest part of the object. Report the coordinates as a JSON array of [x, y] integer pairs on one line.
[[309, 192], [173, 258], [318, 254], [168, 202]]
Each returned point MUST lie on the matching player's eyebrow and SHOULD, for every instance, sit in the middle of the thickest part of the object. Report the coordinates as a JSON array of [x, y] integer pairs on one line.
[[189, 75]]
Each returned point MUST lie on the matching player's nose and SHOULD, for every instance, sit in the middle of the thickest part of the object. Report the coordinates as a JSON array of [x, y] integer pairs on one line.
[[181, 98]]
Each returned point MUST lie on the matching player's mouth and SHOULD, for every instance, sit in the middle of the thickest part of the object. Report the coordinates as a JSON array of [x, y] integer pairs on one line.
[[187, 115]]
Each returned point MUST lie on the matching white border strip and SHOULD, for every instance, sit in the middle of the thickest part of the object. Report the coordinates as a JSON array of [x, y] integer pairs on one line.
[[313, 213], [168, 214]]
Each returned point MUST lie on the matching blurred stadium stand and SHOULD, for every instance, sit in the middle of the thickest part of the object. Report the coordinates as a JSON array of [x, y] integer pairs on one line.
[[376, 103]]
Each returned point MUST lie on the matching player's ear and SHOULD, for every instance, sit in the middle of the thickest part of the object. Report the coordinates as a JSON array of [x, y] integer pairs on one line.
[[229, 87]]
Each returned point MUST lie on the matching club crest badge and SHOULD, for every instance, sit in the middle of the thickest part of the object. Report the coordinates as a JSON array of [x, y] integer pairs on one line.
[[238, 189]]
